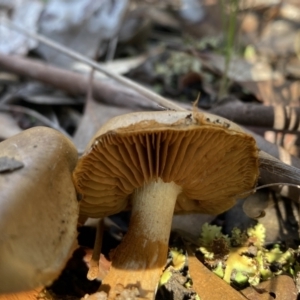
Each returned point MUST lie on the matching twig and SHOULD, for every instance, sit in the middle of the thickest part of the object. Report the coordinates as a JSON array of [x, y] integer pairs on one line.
[[112, 46], [274, 117], [279, 166], [129, 83], [270, 185], [75, 84]]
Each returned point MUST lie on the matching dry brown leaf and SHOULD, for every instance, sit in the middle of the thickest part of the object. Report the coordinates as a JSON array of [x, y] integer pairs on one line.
[[25, 14], [78, 24], [95, 115], [120, 66], [292, 68], [241, 70], [208, 285], [249, 23], [290, 11], [29, 295], [275, 92], [278, 38], [281, 287], [281, 215]]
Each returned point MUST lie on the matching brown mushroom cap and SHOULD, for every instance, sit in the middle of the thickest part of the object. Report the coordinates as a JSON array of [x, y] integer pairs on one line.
[[38, 209], [211, 158]]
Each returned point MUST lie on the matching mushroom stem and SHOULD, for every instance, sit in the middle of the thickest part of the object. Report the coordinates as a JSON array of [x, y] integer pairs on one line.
[[138, 261], [94, 262]]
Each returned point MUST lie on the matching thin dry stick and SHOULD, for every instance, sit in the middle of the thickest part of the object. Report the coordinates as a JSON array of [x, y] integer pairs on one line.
[[142, 90], [94, 262], [106, 91], [241, 195]]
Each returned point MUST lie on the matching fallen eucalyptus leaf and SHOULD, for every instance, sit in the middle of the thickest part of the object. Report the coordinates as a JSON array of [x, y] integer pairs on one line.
[[280, 287], [208, 285]]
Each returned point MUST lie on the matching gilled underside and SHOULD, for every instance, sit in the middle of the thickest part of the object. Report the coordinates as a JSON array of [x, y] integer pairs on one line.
[[210, 163]]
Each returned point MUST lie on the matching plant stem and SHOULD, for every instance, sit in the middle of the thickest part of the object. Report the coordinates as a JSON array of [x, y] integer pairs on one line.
[[230, 39]]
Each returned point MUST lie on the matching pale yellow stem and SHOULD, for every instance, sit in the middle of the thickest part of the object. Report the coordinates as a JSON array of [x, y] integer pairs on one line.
[[139, 259]]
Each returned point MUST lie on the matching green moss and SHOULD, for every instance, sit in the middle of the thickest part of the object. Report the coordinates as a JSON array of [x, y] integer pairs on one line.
[[242, 258], [165, 277], [257, 235], [178, 259]]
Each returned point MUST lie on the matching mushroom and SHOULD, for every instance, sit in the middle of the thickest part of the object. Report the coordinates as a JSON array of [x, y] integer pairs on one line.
[[158, 163], [38, 208]]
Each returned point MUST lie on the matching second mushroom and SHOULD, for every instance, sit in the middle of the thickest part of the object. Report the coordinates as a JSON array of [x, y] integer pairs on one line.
[[158, 164]]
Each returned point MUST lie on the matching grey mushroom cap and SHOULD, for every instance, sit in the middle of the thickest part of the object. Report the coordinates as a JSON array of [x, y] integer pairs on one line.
[[38, 208]]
